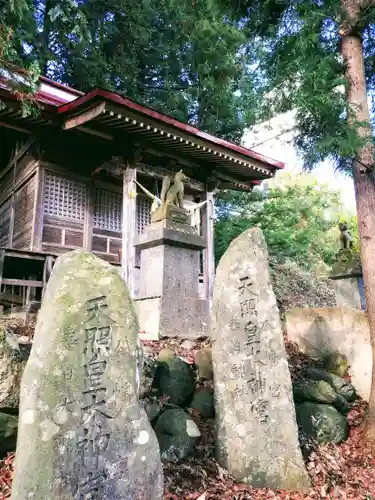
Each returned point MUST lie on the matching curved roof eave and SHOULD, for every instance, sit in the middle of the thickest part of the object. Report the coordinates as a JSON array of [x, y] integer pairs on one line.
[[168, 120]]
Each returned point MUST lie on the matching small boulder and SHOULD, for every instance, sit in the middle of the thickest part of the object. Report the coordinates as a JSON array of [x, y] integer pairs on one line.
[[152, 409], [13, 360], [340, 385], [203, 403], [175, 380], [337, 364], [188, 345], [165, 355], [177, 434], [323, 423], [8, 433], [319, 391], [203, 362], [148, 371]]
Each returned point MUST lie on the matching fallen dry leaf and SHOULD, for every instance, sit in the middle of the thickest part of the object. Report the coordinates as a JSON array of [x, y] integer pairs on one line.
[[337, 472]]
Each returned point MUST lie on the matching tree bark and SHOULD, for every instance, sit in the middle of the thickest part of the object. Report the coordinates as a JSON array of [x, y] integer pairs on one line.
[[364, 182]]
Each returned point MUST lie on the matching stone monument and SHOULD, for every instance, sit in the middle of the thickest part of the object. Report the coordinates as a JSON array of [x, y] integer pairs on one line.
[[168, 303], [82, 433], [257, 436], [346, 273]]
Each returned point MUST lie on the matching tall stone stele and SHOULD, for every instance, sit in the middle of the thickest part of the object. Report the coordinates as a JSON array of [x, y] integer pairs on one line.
[[82, 434], [257, 435]]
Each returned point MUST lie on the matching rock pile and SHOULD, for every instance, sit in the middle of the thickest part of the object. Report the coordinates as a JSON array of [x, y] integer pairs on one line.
[[170, 395], [323, 398]]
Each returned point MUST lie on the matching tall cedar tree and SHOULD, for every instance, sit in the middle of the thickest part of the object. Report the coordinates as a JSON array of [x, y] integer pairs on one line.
[[185, 60], [12, 12], [318, 56]]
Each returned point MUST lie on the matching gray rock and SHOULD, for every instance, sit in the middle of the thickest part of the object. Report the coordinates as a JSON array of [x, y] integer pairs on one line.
[[203, 362], [257, 434], [340, 385], [82, 432], [148, 372], [188, 345], [152, 409], [177, 434], [12, 365], [175, 380], [8, 433], [203, 403], [319, 391], [322, 422], [337, 364]]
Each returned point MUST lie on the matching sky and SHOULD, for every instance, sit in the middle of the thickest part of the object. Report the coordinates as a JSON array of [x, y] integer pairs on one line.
[[273, 138]]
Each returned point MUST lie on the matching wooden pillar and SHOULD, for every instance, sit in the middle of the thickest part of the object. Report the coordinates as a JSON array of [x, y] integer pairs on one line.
[[37, 234], [209, 255], [128, 228]]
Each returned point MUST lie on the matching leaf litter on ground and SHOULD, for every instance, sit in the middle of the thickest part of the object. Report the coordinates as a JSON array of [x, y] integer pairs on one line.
[[343, 472]]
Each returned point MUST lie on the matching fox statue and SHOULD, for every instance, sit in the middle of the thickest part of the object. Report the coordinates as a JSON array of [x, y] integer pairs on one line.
[[173, 194]]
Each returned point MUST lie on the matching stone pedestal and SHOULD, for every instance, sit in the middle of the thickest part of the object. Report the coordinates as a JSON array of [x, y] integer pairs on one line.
[[347, 280], [169, 302], [172, 213]]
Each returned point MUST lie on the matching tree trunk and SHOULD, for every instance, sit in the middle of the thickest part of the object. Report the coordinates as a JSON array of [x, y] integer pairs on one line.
[[364, 183], [45, 38]]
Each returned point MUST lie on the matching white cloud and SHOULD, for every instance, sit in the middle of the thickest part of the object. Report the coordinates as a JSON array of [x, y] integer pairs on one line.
[[274, 139]]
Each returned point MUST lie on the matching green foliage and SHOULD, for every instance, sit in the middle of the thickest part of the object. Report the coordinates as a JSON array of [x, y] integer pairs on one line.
[[304, 71], [183, 59], [298, 287], [298, 217], [25, 75]]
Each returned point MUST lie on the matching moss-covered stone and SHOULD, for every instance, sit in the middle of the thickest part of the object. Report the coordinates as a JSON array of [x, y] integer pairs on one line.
[[203, 403], [340, 385], [148, 372], [319, 391], [81, 383], [165, 355], [337, 364], [175, 380], [12, 365], [203, 362], [256, 430], [177, 434], [323, 423], [348, 263], [8, 433]]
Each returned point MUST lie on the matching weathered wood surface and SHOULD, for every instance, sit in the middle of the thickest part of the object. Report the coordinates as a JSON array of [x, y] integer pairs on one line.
[[24, 205], [128, 229]]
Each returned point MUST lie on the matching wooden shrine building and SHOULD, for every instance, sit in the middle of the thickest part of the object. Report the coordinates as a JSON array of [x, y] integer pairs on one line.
[[67, 181]]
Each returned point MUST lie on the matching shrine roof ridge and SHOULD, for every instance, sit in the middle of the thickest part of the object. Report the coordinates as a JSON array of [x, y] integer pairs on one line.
[[63, 99]]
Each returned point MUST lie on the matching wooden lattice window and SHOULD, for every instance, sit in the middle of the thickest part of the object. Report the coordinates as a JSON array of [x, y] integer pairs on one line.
[[64, 198], [143, 216], [108, 210]]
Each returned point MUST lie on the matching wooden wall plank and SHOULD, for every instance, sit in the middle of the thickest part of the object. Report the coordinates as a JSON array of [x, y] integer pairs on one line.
[[24, 199], [37, 231], [208, 253], [5, 213], [128, 229], [74, 239]]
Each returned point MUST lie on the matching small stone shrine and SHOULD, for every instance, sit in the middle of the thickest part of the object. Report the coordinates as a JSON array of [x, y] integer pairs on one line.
[[346, 273], [347, 280], [169, 302], [82, 434], [257, 436]]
